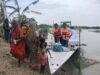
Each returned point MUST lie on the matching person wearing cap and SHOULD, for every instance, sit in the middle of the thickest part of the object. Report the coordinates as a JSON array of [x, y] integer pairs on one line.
[[57, 33], [65, 35]]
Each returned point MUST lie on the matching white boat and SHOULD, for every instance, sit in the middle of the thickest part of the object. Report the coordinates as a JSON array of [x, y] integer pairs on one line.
[[59, 58]]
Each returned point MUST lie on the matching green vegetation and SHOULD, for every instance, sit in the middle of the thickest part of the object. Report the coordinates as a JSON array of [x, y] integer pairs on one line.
[[86, 27], [44, 28], [16, 9], [96, 30]]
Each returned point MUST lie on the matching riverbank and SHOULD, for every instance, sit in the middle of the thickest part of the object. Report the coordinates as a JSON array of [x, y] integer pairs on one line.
[[94, 30], [8, 64], [92, 70]]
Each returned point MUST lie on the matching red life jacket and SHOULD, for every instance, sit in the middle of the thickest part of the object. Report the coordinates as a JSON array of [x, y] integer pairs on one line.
[[18, 49], [57, 32]]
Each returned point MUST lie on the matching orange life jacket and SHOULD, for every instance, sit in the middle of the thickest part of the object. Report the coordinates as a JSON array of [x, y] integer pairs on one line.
[[65, 33], [57, 32]]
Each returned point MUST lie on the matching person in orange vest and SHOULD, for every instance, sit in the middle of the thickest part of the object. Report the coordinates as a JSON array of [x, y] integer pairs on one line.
[[57, 33], [65, 35]]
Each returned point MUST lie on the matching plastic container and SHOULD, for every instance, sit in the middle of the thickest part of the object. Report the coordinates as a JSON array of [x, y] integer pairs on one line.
[[57, 47]]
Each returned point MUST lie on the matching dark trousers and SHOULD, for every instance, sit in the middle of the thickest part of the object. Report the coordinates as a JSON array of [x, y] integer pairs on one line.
[[27, 52], [56, 40], [64, 42], [7, 35], [42, 69]]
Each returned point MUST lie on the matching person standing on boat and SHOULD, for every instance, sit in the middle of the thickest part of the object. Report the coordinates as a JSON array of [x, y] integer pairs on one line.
[[57, 33], [65, 35]]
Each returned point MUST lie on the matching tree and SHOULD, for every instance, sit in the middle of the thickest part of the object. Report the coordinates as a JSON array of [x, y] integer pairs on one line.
[[17, 9], [33, 24], [45, 28]]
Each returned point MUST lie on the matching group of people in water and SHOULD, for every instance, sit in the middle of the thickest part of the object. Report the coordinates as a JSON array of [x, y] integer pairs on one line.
[[26, 43]]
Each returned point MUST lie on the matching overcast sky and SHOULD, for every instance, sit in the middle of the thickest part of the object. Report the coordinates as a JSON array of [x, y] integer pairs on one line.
[[80, 12]]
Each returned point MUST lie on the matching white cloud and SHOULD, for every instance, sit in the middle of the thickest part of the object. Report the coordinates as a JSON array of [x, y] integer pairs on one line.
[[80, 12], [54, 1]]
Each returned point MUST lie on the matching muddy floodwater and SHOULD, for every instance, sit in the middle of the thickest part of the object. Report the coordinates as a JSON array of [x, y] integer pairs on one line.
[[91, 51]]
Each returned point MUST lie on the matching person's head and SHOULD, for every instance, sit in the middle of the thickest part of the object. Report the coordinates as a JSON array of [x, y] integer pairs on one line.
[[45, 44], [64, 25], [41, 33], [14, 23], [56, 25], [6, 20], [24, 25]]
